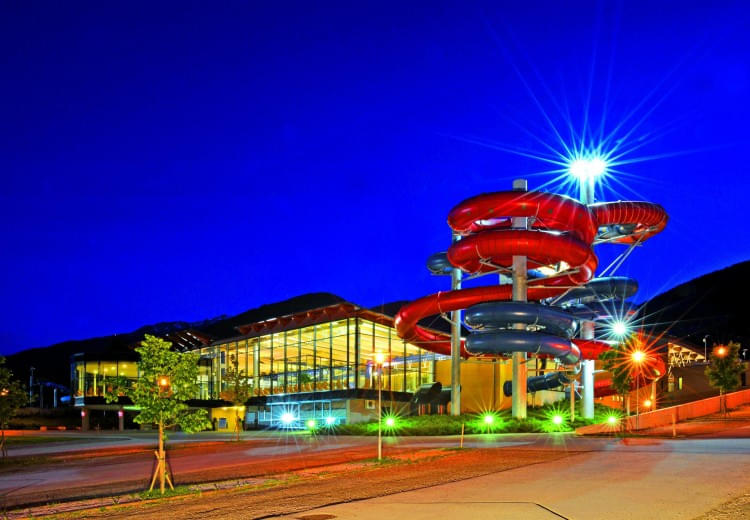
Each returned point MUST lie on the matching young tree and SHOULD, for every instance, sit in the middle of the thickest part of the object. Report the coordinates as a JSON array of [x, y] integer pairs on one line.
[[12, 397], [166, 380], [615, 361], [238, 390], [725, 369]]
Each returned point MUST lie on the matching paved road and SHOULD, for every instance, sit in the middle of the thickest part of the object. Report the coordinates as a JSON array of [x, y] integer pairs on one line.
[[699, 472], [636, 479]]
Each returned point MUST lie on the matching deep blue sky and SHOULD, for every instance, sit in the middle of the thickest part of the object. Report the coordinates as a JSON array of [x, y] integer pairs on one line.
[[177, 161]]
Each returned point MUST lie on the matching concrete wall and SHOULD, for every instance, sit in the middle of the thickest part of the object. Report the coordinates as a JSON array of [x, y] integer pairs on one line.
[[482, 385], [226, 416], [665, 416]]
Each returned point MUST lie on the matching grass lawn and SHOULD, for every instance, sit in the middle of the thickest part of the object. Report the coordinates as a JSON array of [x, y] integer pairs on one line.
[[22, 440]]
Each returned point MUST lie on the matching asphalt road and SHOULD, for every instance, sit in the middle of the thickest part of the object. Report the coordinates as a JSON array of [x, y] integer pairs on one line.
[[604, 477], [637, 479]]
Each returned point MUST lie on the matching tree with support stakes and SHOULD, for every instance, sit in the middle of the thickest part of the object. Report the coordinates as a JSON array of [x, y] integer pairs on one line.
[[238, 390], [724, 370], [12, 397], [166, 380], [616, 361]]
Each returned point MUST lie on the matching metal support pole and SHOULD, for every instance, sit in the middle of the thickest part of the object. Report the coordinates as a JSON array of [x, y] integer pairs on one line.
[[520, 271], [587, 327], [587, 374], [572, 400], [637, 399], [380, 412], [456, 343], [653, 395]]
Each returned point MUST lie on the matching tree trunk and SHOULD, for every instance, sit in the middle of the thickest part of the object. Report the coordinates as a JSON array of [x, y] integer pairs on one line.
[[161, 457], [237, 426]]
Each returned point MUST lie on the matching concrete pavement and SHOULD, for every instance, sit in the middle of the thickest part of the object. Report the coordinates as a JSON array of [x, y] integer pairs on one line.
[[624, 480]]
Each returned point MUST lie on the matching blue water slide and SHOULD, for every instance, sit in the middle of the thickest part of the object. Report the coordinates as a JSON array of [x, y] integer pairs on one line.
[[594, 311], [602, 289], [499, 342], [538, 383], [438, 264], [502, 315]]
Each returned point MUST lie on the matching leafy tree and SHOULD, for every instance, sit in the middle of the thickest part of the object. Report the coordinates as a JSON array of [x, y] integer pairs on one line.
[[616, 362], [238, 390], [166, 380], [12, 397], [725, 369]]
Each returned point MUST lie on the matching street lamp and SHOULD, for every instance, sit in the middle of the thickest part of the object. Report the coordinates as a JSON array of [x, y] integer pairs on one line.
[[620, 329], [164, 384], [638, 356], [379, 359], [705, 348]]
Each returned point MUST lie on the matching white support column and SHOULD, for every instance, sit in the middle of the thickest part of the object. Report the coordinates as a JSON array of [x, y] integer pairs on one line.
[[587, 327], [520, 271], [456, 343], [587, 374]]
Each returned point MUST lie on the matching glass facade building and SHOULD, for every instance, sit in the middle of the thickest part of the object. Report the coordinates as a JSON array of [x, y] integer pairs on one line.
[[92, 375], [312, 363], [331, 355]]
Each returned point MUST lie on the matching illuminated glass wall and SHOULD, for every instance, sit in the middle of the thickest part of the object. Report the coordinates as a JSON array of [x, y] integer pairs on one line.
[[94, 378], [335, 355]]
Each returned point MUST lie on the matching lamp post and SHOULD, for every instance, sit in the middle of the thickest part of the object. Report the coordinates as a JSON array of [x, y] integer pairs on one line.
[[379, 359], [705, 348], [637, 356]]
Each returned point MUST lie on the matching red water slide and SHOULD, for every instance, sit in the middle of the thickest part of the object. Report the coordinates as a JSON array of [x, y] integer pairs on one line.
[[560, 230]]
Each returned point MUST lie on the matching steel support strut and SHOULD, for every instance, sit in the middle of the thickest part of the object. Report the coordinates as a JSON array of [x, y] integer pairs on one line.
[[520, 273], [456, 343], [587, 327]]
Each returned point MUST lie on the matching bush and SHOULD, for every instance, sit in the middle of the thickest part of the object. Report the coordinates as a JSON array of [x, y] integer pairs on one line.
[[539, 420]]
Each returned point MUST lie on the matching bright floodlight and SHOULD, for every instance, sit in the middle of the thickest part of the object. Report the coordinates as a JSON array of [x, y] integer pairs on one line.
[[287, 418], [638, 356], [585, 168], [612, 419], [330, 420], [379, 358], [620, 329], [390, 421], [311, 424], [557, 419], [489, 419]]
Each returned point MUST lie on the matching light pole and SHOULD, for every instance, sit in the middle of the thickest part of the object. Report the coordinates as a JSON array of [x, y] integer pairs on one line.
[[586, 169], [705, 348], [637, 356], [379, 358]]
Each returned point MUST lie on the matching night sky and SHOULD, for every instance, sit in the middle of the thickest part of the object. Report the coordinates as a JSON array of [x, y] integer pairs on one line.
[[178, 161]]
